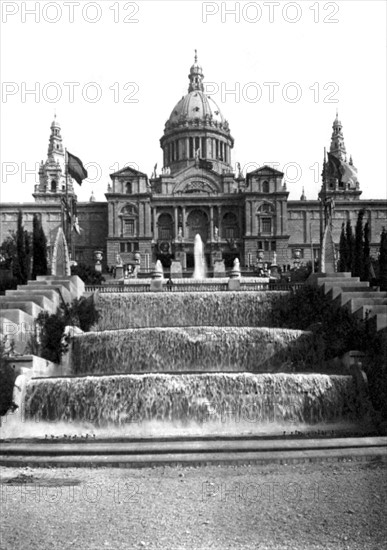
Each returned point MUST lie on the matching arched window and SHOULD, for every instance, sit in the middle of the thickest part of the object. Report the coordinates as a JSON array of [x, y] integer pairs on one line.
[[265, 187], [128, 187], [53, 186]]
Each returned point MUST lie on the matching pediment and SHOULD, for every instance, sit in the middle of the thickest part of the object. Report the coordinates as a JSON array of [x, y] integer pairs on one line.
[[266, 171], [127, 172]]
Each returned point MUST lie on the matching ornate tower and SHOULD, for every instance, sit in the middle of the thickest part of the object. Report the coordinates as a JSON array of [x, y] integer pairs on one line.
[[52, 177], [337, 140], [339, 177]]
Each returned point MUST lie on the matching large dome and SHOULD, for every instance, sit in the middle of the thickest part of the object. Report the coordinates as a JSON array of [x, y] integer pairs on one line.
[[196, 130], [196, 105]]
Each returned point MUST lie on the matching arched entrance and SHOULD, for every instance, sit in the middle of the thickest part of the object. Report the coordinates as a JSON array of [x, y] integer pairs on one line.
[[197, 223]]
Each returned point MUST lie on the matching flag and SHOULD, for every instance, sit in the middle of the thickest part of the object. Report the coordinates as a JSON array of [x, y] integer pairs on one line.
[[75, 168], [336, 166], [349, 174]]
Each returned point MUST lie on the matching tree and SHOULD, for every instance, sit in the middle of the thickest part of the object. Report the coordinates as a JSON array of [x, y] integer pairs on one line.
[[367, 254], [8, 251], [343, 249], [39, 248], [358, 258], [383, 260], [350, 246], [23, 249]]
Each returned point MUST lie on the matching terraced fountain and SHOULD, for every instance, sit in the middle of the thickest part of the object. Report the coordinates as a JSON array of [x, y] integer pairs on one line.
[[189, 362]]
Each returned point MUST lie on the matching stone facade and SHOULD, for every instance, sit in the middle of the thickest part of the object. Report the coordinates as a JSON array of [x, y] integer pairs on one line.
[[198, 192]]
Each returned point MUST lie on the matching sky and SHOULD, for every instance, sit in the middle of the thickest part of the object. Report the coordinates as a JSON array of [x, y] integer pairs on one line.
[[113, 71]]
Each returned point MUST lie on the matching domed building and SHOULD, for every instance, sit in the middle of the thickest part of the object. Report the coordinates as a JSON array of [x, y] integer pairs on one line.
[[197, 192]]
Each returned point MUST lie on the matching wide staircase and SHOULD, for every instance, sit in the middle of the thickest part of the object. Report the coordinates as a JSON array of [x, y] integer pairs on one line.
[[19, 308], [357, 296]]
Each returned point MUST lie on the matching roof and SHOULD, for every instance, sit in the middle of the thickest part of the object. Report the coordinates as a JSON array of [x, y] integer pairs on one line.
[[128, 172], [264, 170]]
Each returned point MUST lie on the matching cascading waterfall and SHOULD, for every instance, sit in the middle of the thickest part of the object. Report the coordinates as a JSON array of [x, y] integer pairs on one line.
[[191, 359], [254, 398], [192, 349], [185, 309]]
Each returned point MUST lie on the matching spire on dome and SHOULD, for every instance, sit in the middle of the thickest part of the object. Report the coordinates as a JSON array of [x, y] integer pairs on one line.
[[196, 76], [303, 196]]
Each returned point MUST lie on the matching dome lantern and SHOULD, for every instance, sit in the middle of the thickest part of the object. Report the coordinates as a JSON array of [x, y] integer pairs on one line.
[[196, 76]]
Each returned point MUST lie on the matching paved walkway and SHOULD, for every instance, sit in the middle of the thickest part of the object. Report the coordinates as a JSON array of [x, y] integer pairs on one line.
[[326, 506]]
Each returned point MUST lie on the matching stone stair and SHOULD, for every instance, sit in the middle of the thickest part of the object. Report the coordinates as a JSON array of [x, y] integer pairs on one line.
[[19, 308], [355, 295]]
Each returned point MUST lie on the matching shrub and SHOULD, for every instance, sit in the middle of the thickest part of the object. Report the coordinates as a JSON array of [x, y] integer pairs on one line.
[[336, 331], [7, 381], [310, 309], [50, 328], [375, 366], [88, 275], [9, 283]]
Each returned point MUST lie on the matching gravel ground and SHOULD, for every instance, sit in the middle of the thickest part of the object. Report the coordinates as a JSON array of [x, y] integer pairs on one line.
[[310, 506]]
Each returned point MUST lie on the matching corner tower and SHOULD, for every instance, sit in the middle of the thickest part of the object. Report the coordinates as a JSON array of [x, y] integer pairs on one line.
[[52, 173], [339, 176], [196, 131]]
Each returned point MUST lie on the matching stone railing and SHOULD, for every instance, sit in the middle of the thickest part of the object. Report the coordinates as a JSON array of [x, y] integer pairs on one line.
[[184, 285]]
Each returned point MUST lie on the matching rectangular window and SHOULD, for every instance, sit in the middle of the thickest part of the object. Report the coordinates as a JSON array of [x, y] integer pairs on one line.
[[266, 225], [273, 245], [266, 246], [129, 227], [165, 234], [122, 247], [230, 233], [260, 245]]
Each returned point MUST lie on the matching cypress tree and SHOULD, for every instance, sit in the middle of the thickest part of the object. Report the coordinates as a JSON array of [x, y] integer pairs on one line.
[[343, 261], [366, 253], [383, 260], [358, 259], [21, 263], [39, 248], [350, 246]]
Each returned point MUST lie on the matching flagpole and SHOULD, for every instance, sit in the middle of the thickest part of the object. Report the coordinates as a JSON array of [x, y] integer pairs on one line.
[[67, 232]]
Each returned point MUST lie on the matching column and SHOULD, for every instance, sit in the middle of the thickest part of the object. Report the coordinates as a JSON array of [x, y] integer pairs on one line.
[[176, 213], [155, 232], [209, 148], [248, 219], [184, 223], [211, 223], [147, 220], [220, 221], [187, 148]]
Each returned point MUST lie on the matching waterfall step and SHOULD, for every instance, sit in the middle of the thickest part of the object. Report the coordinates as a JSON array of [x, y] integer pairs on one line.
[[142, 455]]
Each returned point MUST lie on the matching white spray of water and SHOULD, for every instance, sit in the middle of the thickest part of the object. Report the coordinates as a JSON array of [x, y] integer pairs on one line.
[[200, 271]]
